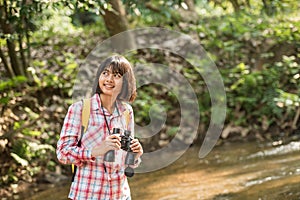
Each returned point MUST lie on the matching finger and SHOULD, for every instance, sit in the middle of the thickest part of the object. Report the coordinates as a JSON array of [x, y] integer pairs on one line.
[[116, 141], [114, 136], [136, 147], [114, 146], [134, 143], [118, 145]]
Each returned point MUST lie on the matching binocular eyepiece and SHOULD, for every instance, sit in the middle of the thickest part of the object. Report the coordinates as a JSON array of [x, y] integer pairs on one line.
[[125, 145]]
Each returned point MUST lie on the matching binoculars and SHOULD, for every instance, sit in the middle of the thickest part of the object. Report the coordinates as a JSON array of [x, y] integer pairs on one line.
[[125, 145]]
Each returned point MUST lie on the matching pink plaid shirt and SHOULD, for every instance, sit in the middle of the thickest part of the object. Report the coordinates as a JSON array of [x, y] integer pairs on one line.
[[91, 180]]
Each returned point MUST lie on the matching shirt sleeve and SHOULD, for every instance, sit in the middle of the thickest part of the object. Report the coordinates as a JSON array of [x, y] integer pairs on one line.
[[67, 150]]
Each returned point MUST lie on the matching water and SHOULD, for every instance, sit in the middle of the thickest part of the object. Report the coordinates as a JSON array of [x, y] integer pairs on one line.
[[230, 172]]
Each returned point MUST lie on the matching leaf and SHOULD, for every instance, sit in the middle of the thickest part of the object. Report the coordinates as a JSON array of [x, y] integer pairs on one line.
[[20, 160], [32, 132], [172, 131]]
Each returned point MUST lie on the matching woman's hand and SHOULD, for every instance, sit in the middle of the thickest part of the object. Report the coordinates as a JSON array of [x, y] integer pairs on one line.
[[136, 147], [112, 142]]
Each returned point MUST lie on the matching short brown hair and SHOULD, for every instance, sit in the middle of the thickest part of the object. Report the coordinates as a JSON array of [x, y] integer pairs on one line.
[[118, 64]]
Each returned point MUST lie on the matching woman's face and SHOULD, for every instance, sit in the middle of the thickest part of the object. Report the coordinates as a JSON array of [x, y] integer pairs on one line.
[[110, 83]]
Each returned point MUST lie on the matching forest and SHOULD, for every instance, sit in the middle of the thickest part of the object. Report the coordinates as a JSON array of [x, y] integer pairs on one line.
[[255, 46]]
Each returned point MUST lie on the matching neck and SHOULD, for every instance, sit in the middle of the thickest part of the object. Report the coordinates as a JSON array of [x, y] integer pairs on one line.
[[108, 103]]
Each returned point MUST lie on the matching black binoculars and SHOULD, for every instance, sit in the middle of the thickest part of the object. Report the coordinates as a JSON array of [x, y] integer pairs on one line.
[[125, 145]]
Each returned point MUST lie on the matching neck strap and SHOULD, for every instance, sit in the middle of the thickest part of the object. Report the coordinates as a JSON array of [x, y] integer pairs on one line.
[[106, 118]]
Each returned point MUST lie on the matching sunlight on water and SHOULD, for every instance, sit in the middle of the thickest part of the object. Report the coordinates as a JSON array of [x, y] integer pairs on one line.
[[280, 150]]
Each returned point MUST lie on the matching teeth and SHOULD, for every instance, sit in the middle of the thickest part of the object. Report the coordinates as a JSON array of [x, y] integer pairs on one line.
[[110, 86]]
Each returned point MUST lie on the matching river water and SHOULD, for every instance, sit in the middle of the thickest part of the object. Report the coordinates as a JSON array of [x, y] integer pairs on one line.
[[232, 171]]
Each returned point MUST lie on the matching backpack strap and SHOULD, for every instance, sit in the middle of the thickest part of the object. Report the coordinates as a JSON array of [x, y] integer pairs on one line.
[[85, 115], [127, 115]]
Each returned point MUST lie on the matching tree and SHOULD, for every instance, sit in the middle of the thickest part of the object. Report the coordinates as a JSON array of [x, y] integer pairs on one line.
[[116, 22], [17, 18], [15, 27]]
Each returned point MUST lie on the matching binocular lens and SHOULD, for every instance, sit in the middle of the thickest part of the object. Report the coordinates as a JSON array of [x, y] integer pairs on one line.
[[129, 172]]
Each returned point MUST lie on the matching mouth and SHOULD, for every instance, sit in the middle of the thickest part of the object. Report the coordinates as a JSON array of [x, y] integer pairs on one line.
[[109, 86]]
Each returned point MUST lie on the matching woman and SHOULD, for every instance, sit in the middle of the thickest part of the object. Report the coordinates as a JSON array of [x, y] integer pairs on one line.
[[95, 178]]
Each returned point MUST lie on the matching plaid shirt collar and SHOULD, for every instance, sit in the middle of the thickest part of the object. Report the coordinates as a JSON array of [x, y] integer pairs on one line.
[[96, 105]]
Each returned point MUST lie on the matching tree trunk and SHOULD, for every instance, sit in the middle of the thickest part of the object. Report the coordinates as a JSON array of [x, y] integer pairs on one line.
[[14, 58], [116, 22], [235, 5], [269, 8], [8, 29], [23, 59], [16, 62], [190, 4]]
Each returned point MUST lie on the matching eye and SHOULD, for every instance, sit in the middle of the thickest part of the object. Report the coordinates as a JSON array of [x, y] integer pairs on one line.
[[105, 73], [117, 75]]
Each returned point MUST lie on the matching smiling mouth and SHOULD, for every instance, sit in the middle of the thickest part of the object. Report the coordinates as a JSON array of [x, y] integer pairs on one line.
[[108, 86]]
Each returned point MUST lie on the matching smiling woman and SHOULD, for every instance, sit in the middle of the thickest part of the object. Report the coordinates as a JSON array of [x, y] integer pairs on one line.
[[110, 81], [116, 67], [97, 177]]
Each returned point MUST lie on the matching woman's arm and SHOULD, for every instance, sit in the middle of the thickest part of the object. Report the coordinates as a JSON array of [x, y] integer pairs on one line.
[[67, 150]]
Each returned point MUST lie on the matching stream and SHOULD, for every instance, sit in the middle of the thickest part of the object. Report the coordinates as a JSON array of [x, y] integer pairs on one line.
[[232, 171]]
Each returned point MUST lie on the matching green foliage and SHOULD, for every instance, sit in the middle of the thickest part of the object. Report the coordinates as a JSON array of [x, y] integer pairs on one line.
[[31, 158], [17, 23], [149, 100], [11, 83], [154, 12], [173, 131], [287, 99], [33, 112], [21, 149], [289, 70], [257, 57], [261, 93], [234, 34]]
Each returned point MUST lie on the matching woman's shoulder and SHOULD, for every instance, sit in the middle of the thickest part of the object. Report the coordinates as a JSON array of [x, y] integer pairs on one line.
[[79, 103], [125, 106], [77, 106]]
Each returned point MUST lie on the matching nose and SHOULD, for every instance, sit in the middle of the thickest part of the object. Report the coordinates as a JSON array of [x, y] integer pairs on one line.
[[110, 77]]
